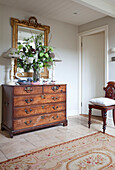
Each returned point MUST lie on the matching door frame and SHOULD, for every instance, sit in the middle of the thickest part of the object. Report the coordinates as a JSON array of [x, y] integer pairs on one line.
[[86, 33]]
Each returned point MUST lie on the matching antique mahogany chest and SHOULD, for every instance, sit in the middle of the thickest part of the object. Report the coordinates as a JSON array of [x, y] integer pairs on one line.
[[27, 107]]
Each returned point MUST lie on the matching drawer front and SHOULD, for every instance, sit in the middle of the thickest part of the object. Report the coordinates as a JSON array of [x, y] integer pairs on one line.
[[38, 120], [54, 88], [40, 109], [38, 99], [27, 90]]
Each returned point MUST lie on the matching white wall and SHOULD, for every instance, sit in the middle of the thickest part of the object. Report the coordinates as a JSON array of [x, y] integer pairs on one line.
[[111, 42], [64, 38], [111, 36]]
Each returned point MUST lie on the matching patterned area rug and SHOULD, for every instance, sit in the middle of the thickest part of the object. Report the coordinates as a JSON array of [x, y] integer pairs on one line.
[[92, 152]]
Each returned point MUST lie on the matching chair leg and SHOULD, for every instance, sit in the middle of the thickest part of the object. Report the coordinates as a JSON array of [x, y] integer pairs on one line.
[[104, 120], [102, 114], [114, 116], [90, 111]]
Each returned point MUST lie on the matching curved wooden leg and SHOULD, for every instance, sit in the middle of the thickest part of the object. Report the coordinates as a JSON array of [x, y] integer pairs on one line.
[[114, 116], [90, 111], [65, 123], [2, 127], [104, 121], [11, 135]]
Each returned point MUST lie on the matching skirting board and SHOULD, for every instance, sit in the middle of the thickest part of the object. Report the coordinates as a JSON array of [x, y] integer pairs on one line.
[[72, 113]]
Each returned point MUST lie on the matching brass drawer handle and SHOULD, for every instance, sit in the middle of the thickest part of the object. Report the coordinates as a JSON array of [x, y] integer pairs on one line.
[[43, 96], [55, 117], [27, 111], [55, 107], [28, 123], [28, 89], [55, 98], [31, 100], [26, 100], [42, 117], [43, 107], [54, 88]]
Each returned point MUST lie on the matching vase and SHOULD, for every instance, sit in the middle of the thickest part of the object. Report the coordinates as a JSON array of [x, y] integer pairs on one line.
[[36, 75]]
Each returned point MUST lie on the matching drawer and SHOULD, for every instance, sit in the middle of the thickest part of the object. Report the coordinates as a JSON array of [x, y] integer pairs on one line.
[[38, 99], [40, 109], [27, 90], [54, 88], [38, 120]]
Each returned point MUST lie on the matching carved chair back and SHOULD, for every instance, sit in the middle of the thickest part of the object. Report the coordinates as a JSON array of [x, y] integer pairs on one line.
[[110, 90]]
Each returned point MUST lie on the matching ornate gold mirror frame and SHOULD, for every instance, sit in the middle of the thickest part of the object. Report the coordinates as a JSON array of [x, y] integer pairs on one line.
[[32, 24]]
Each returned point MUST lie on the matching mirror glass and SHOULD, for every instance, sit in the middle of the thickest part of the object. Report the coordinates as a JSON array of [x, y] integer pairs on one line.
[[24, 32]]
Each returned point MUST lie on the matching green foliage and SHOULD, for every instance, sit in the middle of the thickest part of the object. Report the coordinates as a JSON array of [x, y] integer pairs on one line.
[[34, 57]]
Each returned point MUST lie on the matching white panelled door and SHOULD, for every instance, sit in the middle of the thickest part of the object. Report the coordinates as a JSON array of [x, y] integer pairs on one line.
[[93, 48]]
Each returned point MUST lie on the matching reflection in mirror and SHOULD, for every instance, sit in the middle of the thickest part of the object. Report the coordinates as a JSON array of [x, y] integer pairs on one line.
[[24, 33]]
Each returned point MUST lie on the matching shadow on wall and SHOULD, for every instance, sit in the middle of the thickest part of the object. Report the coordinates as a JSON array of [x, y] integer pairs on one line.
[[4, 69]]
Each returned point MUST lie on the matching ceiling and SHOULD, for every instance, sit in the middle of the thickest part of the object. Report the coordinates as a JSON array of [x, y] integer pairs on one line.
[[61, 10], [111, 2]]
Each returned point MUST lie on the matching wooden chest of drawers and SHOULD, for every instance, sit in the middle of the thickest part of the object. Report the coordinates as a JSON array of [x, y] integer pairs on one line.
[[27, 107]]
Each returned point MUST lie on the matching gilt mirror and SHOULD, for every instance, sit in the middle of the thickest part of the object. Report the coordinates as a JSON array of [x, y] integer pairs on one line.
[[23, 29]]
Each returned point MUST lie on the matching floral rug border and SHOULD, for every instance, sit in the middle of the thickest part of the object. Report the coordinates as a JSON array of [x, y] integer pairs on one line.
[[45, 148]]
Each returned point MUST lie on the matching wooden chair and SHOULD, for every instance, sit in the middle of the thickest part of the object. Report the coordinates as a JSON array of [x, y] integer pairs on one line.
[[109, 93]]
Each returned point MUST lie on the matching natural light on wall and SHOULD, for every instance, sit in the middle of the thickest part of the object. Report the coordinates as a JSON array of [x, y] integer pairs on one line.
[[112, 51]]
